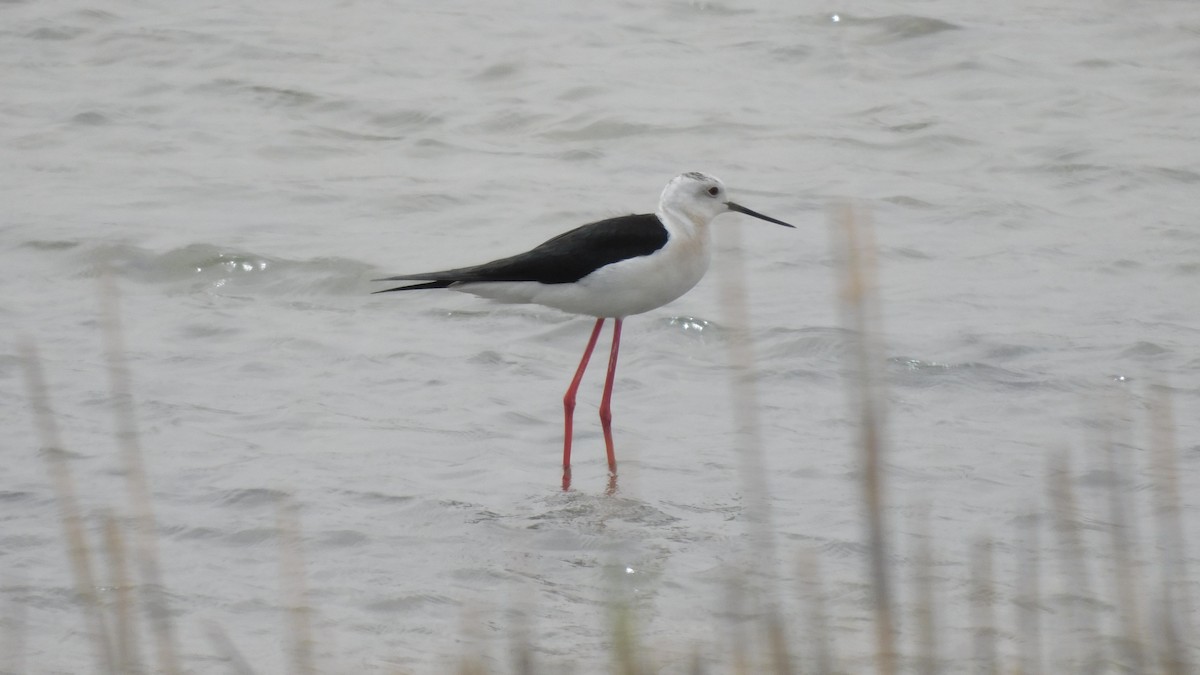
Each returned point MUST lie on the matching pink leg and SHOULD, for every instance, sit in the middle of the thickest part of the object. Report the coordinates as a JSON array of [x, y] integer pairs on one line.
[[606, 402], [569, 402]]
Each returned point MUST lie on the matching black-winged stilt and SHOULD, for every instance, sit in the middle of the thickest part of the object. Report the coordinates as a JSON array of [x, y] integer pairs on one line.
[[609, 269]]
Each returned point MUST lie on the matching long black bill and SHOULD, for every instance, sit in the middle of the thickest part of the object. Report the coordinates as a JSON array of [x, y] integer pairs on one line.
[[741, 209]]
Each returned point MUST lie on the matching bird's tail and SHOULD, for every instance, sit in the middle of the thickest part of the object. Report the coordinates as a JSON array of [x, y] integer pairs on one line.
[[440, 283]]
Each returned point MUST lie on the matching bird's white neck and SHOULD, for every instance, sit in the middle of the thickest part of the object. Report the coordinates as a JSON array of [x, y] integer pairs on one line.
[[689, 249], [680, 223]]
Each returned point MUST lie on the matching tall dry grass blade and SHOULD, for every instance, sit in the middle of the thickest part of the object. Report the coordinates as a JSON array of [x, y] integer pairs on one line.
[[227, 650], [14, 638], [471, 663], [824, 656], [859, 306], [781, 660], [1123, 540], [295, 590], [925, 619], [625, 649], [125, 630], [145, 530], [1029, 601], [983, 608], [735, 612], [522, 643], [1084, 649], [1178, 635], [471, 654], [68, 507], [523, 663], [1172, 657], [745, 408]]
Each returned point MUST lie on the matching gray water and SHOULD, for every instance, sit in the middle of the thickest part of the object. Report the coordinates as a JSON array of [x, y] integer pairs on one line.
[[1031, 170]]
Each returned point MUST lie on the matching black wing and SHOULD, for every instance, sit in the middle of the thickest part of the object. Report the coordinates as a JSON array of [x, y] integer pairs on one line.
[[564, 259]]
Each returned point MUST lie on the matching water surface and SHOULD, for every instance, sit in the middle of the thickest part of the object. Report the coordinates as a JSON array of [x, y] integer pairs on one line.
[[1031, 172]]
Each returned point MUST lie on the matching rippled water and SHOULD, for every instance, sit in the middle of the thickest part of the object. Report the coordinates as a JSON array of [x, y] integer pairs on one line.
[[1032, 175]]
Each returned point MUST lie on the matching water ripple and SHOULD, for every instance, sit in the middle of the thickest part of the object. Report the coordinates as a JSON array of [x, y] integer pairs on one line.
[[204, 266]]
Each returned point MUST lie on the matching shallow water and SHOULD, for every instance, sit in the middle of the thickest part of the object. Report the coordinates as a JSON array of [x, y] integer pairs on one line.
[[246, 169]]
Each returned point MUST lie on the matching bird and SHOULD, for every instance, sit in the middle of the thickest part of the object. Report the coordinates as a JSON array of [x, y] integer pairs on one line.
[[607, 269]]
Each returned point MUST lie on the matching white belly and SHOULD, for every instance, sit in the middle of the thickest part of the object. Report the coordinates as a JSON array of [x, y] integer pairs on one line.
[[621, 289]]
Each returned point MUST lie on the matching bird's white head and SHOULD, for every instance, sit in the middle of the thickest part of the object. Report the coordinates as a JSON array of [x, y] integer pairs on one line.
[[698, 198]]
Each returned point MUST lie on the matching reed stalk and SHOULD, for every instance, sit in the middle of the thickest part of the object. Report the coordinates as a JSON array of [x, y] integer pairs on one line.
[[925, 618], [137, 484], [1028, 601], [1177, 634], [860, 312], [65, 494], [294, 588], [125, 630]]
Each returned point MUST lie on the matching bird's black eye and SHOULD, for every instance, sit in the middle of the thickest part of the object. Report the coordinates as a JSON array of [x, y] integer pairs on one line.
[[714, 191]]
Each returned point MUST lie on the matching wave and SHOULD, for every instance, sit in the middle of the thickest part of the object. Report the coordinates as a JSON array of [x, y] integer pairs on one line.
[[199, 267]]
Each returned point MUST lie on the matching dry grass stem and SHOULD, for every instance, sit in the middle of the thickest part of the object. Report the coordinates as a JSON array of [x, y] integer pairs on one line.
[[1122, 537], [153, 590], [736, 634], [1074, 566], [68, 508], [925, 619], [781, 660], [745, 405], [125, 630], [295, 591], [824, 657], [522, 643], [859, 303], [1177, 634], [1028, 601], [627, 655], [983, 608], [227, 650], [15, 628]]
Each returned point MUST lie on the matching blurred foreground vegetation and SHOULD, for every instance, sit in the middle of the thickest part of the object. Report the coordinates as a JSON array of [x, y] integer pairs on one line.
[[1109, 604]]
